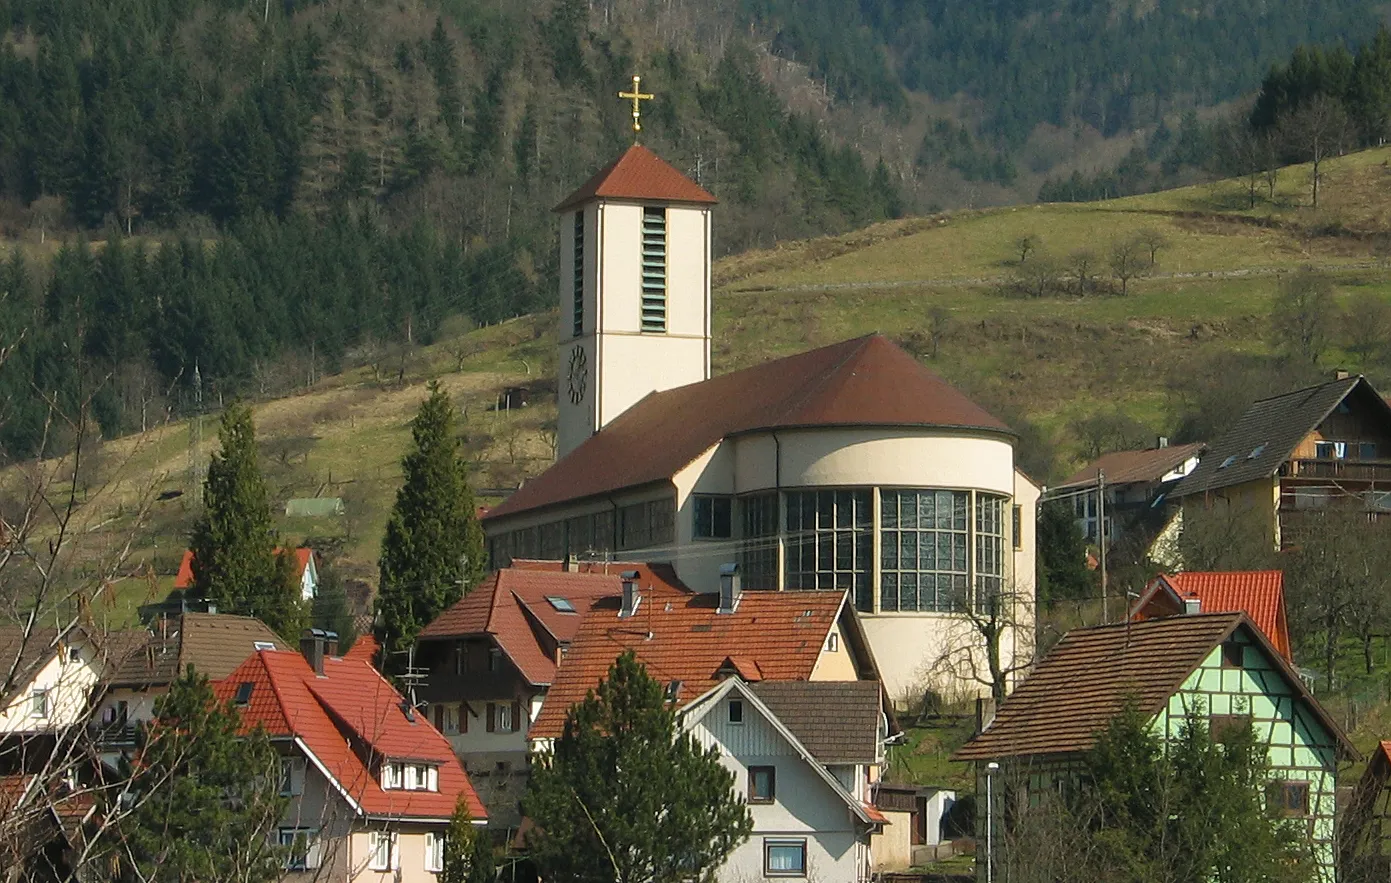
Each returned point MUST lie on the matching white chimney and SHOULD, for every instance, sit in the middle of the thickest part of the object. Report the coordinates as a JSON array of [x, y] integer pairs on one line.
[[1192, 604], [1163, 442], [630, 593], [731, 587]]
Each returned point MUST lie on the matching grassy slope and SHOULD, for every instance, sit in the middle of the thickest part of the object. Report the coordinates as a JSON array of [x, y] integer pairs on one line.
[[1051, 359]]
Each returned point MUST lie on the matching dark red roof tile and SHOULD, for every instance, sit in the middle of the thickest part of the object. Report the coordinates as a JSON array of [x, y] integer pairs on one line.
[[868, 381], [638, 174]]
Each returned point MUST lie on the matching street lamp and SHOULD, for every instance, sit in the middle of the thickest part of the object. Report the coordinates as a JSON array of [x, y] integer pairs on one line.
[[990, 770]]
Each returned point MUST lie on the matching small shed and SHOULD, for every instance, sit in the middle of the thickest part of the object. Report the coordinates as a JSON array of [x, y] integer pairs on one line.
[[314, 507]]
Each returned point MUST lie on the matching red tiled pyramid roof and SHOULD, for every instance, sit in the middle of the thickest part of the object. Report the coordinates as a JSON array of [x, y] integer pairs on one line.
[[1260, 594], [638, 174], [343, 716], [680, 637], [868, 381]]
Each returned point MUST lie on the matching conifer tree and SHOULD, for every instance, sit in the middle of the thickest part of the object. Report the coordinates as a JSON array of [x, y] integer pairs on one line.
[[626, 796], [468, 854], [235, 564], [433, 548], [206, 796]]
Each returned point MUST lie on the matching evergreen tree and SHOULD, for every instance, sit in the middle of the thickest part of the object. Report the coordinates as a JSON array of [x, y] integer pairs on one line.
[[1062, 555], [468, 854], [433, 548], [626, 796], [235, 564], [206, 796], [331, 609]]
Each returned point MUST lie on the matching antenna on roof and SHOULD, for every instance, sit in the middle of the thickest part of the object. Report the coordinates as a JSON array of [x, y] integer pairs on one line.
[[412, 677]]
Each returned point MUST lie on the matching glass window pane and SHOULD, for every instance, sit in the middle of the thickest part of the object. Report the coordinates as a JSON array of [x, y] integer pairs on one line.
[[908, 592], [888, 595], [888, 509], [909, 507]]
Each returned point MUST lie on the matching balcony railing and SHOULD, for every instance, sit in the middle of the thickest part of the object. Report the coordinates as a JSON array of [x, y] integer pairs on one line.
[[112, 735], [1347, 470]]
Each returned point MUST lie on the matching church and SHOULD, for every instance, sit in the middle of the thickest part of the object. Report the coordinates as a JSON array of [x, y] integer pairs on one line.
[[850, 468]]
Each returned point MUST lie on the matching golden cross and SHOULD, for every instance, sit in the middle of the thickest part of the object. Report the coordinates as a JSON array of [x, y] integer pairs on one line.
[[636, 96]]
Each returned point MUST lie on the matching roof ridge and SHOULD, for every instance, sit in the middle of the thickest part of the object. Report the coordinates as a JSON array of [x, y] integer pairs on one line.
[[1351, 380]]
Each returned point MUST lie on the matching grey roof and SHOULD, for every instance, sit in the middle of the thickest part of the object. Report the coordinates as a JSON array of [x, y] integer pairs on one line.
[[837, 721], [1269, 431]]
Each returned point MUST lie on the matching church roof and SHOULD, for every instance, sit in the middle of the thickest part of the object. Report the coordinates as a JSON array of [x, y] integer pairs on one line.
[[638, 174], [868, 381]]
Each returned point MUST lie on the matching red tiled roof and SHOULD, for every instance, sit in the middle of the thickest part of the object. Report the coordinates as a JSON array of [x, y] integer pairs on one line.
[[364, 649], [638, 174], [1260, 594], [875, 815], [680, 637], [868, 381], [344, 716], [512, 605], [1128, 467], [184, 579]]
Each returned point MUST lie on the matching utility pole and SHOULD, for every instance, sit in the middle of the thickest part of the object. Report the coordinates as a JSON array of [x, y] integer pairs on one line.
[[1101, 542]]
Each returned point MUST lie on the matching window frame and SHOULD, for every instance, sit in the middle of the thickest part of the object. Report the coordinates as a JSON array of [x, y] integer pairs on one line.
[[653, 270], [736, 712], [1231, 649], [712, 503], [502, 718], [392, 860], [434, 852], [957, 533], [1281, 789], [40, 703], [771, 843], [310, 859], [771, 797], [290, 785]]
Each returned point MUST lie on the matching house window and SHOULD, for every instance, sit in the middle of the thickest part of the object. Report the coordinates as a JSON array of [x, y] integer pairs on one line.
[[1233, 654], [758, 554], [552, 540], [447, 718], [412, 782], [832, 642], [830, 541], [263, 645], [460, 658], [383, 851], [38, 703], [292, 776], [1017, 525], [736, 711], [654, 270], [1367, 451], [1330, 450], [503, 716], [785, 858], [647, 524], [74, 654], [924, 550], [1288, 799], [762, 784], [579, 274], [1225, 727], [990, 546], [244, 692], [713, 518], [302, 851], [392, 775], [494, 659], [434, 852]]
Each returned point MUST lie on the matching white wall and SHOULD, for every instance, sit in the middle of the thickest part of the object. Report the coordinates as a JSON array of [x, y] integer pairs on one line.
[[69, 683], [805, 806]]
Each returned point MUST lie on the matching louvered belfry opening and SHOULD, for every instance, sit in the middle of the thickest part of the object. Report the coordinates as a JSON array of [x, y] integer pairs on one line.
[[579, 273], [654, 269]]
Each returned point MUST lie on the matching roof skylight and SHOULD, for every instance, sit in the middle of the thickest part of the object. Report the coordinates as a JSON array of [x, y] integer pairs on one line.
[[1227, 462], [244, 692], [561, 604], [1260, 449]]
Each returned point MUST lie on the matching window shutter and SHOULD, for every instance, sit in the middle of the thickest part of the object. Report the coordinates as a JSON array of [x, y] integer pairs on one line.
[[492, 717], [516, 716], [395, 851], [314, 855], [463, 717], [439, 718]]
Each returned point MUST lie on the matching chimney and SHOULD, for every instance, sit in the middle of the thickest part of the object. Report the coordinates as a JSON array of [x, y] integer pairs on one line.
[[1341, 374], [631, 598], [1192, 604], [731, 587], [1163, 442], [572, 564], [985, 713], [311, 644], [330, 643]]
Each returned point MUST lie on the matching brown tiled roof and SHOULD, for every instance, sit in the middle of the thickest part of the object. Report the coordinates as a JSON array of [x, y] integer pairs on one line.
[[213, 643], [1260, 594], [680, 637], [1129, 467], [1270, 430], [837, 721], [1088, 677], [23, 652], [638, 174], [868, 381], [513, 607]]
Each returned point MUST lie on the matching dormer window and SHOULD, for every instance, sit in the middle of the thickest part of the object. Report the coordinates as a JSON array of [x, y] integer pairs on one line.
[[392, 776], [399, 775]]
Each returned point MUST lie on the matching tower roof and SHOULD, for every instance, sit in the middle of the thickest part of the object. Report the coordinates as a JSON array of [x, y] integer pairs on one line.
[[638, 174], [868, 381]]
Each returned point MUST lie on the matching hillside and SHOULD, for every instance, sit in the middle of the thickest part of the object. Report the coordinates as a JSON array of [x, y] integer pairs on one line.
[[1176, 356]]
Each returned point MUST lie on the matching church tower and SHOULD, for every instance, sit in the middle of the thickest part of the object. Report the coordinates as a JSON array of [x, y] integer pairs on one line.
[[635, 247]]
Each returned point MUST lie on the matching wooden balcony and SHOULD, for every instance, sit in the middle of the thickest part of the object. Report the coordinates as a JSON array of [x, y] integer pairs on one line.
[[1343, 470]]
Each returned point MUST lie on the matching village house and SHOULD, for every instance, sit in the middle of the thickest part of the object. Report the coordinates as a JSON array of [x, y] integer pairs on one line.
[[1292, 454], [306, 569], [849, 468], [1216, 664], [1365, 841], [489, 660], [151, 659], [371, 783], [1136, 488], [49, 678], [1260, 594], [784, 683]]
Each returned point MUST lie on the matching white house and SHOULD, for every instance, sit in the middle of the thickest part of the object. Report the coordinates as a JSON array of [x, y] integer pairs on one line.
[[305, 569], [811, 815], [48, 677], [850, 467]]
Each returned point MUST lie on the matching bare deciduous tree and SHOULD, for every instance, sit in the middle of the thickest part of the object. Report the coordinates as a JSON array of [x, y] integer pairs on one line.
[[990, 640], [1026, 245], [1318, 128], [1082, 265], [1127, 262], [1304, 315]]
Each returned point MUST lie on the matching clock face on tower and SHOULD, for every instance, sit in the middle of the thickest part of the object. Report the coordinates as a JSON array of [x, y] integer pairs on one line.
[[579, 374]]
